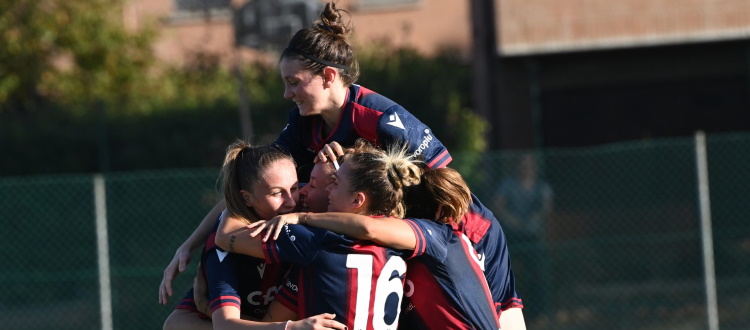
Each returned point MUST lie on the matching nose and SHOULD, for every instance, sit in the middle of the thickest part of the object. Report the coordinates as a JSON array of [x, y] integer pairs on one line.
[[290, 199], [288, 92]]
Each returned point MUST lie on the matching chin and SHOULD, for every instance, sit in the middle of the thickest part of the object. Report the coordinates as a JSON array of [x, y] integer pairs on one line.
[[305, 112]]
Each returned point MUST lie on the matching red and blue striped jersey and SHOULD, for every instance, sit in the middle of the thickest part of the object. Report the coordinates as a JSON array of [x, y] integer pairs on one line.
[[359, 281], [367, 115], [245, 282], [482, 228], [445, 286]]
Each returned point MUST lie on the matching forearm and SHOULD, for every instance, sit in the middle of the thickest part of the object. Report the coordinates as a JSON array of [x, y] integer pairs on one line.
[[200, 234], [231, 320], [233, 236], [512, 319], [391, 232]]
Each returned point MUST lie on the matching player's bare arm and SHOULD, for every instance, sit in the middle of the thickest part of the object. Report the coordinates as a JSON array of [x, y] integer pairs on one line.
[[233, 236], [182, 255], [391, 232]]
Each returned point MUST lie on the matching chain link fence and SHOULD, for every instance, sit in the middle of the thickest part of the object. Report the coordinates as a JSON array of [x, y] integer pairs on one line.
[[617, 246]]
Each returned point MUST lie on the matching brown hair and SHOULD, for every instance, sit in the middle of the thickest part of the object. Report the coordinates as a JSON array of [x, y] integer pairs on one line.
[[245, 165], [382, 176], [439, 187], [325, 43]]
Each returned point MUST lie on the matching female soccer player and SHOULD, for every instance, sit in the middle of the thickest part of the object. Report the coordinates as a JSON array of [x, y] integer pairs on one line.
[[259, 182], [484, 231]]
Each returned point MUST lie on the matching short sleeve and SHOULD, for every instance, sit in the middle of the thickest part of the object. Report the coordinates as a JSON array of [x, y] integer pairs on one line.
[[223, 284], [432, 238], [398, 126]]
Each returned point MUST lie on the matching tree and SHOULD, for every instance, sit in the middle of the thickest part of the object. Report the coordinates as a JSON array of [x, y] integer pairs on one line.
[[69, 52]]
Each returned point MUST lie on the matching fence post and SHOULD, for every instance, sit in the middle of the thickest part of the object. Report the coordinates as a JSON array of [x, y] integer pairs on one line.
[[706, 232], [102, 247]]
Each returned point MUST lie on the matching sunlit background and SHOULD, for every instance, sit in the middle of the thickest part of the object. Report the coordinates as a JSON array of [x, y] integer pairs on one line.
[[633, 117]]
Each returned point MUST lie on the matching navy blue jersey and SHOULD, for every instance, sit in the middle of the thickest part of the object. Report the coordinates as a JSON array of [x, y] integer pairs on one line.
[[482, 228], [367, 115], [245, 282], [359, 281], [445, 286]]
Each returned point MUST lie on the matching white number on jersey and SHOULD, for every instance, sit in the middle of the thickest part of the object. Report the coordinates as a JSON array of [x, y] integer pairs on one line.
[[385, 286]]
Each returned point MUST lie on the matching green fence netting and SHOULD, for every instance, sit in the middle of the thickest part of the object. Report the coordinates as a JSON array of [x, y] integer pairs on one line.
[[618, 247]]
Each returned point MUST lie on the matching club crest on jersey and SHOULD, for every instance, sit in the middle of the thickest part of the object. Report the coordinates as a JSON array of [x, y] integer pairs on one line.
[[395, 121]]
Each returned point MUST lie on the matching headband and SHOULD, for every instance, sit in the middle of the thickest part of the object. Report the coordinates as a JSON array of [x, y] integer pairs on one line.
[[315, 59]]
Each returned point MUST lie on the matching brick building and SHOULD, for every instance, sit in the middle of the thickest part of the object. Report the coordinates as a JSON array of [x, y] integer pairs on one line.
[[583, 72], [187, 26]]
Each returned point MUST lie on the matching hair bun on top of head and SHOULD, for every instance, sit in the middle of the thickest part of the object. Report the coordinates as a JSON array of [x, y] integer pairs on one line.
[[403, 171], [330, 20]]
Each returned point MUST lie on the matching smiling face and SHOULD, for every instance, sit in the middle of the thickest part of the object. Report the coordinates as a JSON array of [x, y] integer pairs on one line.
[[276, 192], [303, 87], [340, 196], [313, 197]]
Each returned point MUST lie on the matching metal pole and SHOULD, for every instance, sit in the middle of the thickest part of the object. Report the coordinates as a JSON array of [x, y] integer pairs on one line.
[[102, 244], [706, 232]]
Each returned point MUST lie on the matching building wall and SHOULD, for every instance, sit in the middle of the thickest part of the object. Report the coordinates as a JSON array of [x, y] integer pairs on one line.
[[538, 26], [427, 25], [570, 73]]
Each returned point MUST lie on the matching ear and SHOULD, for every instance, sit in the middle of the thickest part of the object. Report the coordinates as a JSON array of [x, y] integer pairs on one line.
[[360, 200], [247, 197], [329, 75]]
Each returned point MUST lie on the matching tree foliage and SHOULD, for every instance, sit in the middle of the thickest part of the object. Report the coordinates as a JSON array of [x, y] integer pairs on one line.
[[69, 52], [75, 80]]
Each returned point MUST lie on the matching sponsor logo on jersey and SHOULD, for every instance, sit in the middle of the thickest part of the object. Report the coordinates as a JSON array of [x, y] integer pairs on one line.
[[425, 143], [395, 121], [221, 254], [286, 229], [291, 286], [254, 298]]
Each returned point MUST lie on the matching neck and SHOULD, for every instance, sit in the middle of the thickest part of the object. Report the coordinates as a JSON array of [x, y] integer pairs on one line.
[[331, 116]]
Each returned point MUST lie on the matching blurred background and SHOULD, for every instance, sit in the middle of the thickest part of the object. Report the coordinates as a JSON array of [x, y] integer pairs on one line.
[[610, 138]]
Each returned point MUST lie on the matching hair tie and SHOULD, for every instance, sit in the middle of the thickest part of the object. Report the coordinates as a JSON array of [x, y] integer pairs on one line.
[[315, 59], [325, 26]]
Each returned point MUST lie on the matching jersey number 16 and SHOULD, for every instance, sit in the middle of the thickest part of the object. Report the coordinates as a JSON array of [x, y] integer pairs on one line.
[[389, 282]]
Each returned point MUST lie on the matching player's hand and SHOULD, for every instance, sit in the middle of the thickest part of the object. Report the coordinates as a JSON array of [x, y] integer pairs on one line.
[[321, 321], [273, 226], [329, 153], [177, 265]]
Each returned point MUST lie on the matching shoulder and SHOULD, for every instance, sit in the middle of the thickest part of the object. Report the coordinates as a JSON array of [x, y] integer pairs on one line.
[[370, 99], [478, 221]]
